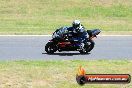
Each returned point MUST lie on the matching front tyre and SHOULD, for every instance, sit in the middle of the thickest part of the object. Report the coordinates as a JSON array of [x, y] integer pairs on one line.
[[87, 47], [91, 46], [50, 48], [84, 49]]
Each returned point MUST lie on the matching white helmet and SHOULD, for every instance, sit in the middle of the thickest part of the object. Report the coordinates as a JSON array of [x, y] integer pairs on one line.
[[76, 24]]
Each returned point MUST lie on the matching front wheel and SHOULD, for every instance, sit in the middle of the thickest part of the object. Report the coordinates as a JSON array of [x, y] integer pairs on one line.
[[91, 46], [50, 48], [87, 47]]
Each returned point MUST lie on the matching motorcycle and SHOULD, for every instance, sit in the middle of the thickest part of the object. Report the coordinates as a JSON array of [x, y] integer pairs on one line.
[[65, 44]]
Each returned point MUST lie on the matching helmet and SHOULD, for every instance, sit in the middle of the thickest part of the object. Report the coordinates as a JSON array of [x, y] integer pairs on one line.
[[76, 24]]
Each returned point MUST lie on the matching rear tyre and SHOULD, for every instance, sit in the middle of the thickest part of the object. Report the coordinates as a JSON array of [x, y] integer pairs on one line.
[[50, 48]]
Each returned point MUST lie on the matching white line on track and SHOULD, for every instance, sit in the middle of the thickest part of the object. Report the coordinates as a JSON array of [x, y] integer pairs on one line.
[[25, 35], [51, 35], [114, 35]]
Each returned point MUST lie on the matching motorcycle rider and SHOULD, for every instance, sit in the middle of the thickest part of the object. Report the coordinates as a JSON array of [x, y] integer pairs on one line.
[[77, 31]]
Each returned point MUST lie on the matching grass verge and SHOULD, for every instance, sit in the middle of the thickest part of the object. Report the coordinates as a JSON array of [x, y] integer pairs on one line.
[[44, 16], [58, 74]]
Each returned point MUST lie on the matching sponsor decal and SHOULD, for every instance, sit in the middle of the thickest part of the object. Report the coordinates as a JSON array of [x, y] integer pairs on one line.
[[83, 78]]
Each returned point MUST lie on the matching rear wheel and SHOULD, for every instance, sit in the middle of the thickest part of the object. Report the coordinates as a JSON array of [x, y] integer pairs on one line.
[[50, 48]]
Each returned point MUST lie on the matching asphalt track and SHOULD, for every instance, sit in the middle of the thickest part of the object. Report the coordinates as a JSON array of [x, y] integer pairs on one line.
[[32, 48]]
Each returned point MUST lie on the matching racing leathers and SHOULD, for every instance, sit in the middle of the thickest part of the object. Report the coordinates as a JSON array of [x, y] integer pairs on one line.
[[81, 35]]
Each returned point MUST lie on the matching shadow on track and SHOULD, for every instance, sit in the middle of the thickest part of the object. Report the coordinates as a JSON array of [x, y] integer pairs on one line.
[[66, 54]]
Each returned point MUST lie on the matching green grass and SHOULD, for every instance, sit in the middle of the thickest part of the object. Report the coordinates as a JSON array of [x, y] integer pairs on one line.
[[58, 74], [44, 16]]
